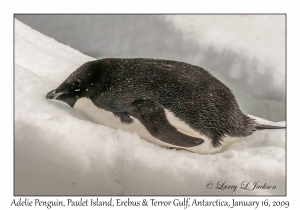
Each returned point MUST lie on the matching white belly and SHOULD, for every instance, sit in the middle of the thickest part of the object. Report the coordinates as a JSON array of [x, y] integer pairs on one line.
[[106, 118]]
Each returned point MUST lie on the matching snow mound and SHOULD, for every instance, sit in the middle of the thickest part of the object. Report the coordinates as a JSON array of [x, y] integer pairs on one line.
[[58, 151]]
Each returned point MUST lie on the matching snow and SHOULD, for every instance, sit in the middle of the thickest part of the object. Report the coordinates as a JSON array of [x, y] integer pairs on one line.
[[260, 39], [59, 151]]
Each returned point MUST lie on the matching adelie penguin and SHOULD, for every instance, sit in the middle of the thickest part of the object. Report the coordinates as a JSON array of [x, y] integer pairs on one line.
[[170, 103]]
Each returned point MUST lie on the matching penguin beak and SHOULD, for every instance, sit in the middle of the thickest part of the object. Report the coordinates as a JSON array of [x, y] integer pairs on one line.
[[53, 95], [62, 96]]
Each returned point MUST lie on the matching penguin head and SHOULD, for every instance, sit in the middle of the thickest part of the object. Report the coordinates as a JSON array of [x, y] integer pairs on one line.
[[81, 83]]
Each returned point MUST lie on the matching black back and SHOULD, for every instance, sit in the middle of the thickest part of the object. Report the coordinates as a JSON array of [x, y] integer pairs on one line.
[[189, 91]]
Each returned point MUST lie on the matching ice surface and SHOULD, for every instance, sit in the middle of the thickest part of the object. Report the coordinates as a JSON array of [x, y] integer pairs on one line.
[[58, 151]]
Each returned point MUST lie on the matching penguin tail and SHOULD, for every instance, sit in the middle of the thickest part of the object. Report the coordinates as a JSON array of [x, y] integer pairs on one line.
[[262, 127]]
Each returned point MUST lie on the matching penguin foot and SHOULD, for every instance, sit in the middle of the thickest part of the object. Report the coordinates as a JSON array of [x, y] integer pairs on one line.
[[124, 117]]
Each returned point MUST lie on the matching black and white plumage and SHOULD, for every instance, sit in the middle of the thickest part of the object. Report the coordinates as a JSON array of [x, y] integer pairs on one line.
[[170, 103]]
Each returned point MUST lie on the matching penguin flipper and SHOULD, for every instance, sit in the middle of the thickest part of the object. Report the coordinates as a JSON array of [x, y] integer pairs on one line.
[[152, 115]]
